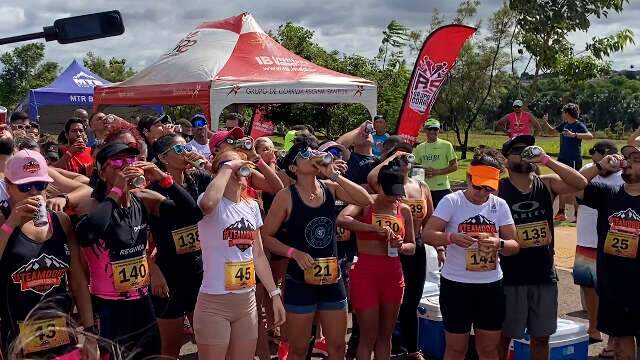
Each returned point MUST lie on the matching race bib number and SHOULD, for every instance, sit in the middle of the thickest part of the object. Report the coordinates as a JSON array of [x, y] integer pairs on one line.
[[417, 207], [131, 274], [239, 275], [324, 271], [342, 234], [621, 244], [40, 335], [480, 261], [186, 239], [382, 220], [534, 234]]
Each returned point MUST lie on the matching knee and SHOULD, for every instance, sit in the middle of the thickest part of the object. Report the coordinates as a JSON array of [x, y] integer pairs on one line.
[[456, 350], [337, 347], [487, 351], [298, 347]]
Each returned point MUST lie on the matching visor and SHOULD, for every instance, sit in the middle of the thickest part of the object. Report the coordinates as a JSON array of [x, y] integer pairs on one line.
[[483, 175]]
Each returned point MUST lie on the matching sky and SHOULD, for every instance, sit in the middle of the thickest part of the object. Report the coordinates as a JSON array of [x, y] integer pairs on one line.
[[349, 26]]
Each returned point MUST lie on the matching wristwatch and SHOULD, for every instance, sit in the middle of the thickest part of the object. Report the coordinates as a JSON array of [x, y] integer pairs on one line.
[[334, 177], [274, 293]]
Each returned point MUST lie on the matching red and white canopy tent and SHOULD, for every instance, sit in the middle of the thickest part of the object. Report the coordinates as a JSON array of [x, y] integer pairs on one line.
[[233, 61]]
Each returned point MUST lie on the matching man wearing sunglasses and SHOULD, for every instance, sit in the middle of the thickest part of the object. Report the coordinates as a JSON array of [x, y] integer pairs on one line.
[[519, 122], [361, 160], [200, 133], [618, 266], [20, 124], [530, 279]]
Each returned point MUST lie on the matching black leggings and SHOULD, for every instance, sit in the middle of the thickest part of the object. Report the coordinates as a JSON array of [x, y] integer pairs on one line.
[[414, 268]]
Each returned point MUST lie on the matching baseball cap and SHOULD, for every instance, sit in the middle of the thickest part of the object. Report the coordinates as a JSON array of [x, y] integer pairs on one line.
[[235, 133], [50, 150], [518, 103], [391, 181], [148, 121], [627, 150], [528, 140], [26, 166], [331, 144], [112, 149], [432, 123], [484, 175], [394, 143], [604, 147], [198, 121]]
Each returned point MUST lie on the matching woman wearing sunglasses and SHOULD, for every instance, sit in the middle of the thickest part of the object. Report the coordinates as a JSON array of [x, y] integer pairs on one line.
[[114, 241], [475, 225], [313, 285], [383, 231], [418, 198], [225, 317], [41, 273], [174, 293]]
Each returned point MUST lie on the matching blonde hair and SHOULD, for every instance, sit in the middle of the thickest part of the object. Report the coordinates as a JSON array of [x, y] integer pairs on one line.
[[261, 141]]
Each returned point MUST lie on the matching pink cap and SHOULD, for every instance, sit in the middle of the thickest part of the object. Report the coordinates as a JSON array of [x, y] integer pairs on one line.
[[236, 133], [26, 166]]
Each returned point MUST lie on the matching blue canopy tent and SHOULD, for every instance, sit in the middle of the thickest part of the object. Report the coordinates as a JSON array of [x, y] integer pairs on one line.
[[53, 104]]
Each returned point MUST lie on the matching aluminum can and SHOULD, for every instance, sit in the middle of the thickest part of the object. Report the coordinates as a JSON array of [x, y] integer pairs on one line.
[[138, 182], [530, 152], [244, 171], [41, 218], [368, 128]]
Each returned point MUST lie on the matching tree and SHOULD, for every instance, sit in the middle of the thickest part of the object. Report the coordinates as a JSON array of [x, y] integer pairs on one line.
[[115, 70], [394, 39], [23, 69], [544, 26]]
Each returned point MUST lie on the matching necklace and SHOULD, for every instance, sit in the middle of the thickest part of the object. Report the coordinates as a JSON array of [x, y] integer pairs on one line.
[[313, 195]]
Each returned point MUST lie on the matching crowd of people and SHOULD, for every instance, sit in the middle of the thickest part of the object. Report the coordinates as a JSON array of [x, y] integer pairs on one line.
[[120, 237]]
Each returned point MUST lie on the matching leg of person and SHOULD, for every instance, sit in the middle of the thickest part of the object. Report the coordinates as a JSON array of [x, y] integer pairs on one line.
[[244, 327], [262, 301], [369, 319], [542, 318], [299, 326], [332, 311], [170, 314], [301, 303], [457, 316], [144, 333], [619, 317], [457, 344], [488, 315], [211, 325], [388, 317], [487, 343], [625, 347], [414, 268], [584, 275], [515, 320]]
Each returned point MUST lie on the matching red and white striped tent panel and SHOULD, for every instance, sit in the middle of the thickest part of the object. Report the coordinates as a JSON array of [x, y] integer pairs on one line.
[[234, 61]]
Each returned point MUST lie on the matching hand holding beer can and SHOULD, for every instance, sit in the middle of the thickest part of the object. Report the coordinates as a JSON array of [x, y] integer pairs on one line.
[[531, 152], [41, 217]]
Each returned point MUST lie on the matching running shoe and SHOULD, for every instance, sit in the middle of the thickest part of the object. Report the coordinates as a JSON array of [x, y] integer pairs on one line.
[[560, 217], [283, 350], [321, 347]]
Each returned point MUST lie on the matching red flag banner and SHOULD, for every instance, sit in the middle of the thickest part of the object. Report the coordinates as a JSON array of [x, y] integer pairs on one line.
[[436, 59], [259, 125]]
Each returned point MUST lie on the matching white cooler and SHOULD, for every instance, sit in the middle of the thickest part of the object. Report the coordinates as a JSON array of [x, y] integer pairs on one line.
[[570, 342]]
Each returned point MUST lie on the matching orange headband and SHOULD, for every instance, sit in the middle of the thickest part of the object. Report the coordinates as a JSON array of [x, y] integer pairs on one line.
[[483, 175]]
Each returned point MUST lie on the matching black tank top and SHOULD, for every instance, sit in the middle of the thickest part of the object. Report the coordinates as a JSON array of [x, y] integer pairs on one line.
[[312, 230], [33, 275], [533, 216]]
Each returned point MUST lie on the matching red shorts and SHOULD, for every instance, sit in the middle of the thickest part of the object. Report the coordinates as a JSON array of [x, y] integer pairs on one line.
[[375, 280]]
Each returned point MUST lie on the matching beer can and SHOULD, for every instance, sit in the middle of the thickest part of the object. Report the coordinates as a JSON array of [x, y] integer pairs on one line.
[[41, 218], [368, 128], [177, 128], [244, 171], [138, 182], [324, 159], [417, 173], [282, 153], [199, 164], [409, 158], [530, 152]]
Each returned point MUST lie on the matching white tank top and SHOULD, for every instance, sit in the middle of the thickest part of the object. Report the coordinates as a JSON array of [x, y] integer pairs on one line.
[[226, 238]]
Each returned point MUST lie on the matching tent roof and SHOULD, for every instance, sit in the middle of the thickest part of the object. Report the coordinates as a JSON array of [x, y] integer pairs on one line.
[[234, 49], [75, 79]]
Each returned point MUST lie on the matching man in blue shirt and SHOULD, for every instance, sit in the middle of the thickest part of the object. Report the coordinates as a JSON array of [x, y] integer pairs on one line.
[[380, 126], [572, 132]]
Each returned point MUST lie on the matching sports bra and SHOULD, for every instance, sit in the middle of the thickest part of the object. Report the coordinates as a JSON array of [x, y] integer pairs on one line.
[[418, 206], [395, 222]]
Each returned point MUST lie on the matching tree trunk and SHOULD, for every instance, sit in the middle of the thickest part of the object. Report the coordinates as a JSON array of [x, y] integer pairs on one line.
[[463, 148]]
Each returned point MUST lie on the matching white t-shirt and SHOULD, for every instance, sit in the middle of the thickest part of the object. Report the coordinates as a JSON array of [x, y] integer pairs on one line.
[[226, 238], [462, 216], [588, 217], [201, 149]]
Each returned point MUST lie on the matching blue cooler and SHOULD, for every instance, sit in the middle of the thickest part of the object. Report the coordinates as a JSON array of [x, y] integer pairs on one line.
[[431, 328], [570, 342]]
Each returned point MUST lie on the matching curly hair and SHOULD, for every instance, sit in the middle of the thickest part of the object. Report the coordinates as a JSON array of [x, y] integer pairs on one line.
[[123, 127], [572, 109], [489, 157]]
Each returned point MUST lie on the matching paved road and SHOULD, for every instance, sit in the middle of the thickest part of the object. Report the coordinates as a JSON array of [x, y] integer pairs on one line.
[[569, 295]]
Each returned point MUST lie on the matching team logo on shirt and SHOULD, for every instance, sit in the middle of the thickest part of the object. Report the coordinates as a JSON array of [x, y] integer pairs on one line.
[[319, 232], [627, 219], [526, 210], [40, 275], [240, 234], [477, 224]]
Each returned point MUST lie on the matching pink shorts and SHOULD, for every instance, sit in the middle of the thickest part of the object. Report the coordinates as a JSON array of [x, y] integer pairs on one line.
[[375, 280]]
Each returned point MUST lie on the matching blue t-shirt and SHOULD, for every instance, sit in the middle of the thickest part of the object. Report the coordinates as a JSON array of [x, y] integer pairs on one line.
[[377, 143], [570, 148]]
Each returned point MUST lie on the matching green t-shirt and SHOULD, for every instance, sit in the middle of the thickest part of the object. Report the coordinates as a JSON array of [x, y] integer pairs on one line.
[[435, 155]]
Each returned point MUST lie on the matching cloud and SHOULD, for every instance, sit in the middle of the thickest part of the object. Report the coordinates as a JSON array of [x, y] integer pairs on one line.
[[153, 27]]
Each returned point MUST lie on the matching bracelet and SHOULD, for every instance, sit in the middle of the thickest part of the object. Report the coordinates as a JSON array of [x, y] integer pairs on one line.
[[275, 292], [166, 182], [449, 240], [117, 191], [545, 159], [290, 252], [6, 228]]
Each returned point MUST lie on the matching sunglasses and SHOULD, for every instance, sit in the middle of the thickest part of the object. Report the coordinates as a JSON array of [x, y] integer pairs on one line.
[[38, 185], [199, 123], [516, 150], [180, 149], [21, 127], [517, 107], [634, 158], [306, 154], [485, 188], [120, 163], [335, 152]]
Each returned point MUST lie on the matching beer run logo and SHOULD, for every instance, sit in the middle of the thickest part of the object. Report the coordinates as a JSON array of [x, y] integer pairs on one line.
[[240, 234], [477, 224], [40, 275], [627, 219], [426, 83]]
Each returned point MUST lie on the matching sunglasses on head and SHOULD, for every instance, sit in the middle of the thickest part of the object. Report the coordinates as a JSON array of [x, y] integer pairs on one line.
[[335, 152], [485, 188], [516, 150], [38, 185], [120, 163]]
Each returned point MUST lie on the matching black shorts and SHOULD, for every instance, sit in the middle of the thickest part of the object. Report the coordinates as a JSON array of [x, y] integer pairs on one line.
[[302, 298], [183, 294], [437, 195], [577, 165], [463, 305], [618, 317]]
